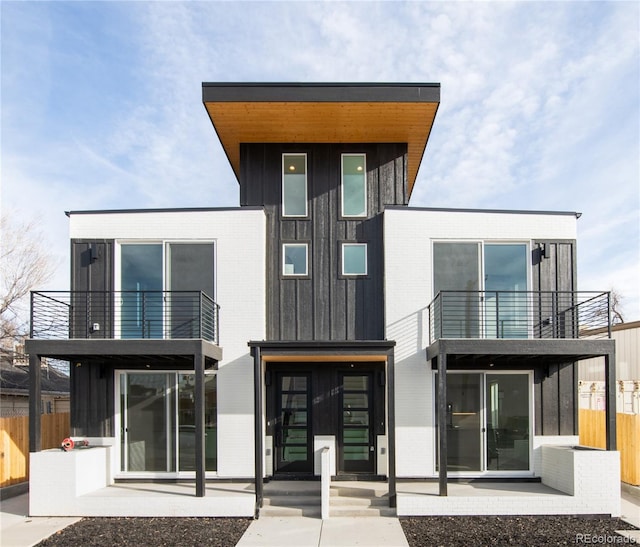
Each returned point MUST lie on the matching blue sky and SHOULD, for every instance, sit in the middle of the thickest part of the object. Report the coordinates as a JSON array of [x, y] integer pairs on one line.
[[540, 106]]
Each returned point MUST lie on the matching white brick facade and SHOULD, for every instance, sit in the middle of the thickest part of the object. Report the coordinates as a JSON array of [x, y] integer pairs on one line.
[[409, 235], [239, 236]]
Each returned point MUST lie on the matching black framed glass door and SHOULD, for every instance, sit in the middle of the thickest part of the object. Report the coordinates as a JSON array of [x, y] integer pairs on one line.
[[293, 450], [356, 441]]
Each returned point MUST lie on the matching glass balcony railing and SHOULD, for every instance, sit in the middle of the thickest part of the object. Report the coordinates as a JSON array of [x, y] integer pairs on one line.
[[163, 315], [519, 314]]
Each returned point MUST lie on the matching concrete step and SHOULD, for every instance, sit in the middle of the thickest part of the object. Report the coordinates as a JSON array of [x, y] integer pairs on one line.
[[280, 511], [355, 511], [292, 501], [340, 501]]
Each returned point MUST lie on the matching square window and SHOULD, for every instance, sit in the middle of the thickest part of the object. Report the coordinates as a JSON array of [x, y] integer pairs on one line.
[[294, 185], [294, 259], [354, 259], [354, 185]]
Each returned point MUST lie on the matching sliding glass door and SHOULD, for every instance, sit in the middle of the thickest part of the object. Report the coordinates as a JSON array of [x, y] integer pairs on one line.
[[148, 269], [488, 422], [484, 288], [157, 422]]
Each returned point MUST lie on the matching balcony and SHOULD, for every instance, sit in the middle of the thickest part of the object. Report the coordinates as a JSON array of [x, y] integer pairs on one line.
[[130, 315], [519, 315]]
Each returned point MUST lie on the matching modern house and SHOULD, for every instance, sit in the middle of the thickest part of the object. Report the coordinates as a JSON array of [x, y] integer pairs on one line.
[[414, 346]]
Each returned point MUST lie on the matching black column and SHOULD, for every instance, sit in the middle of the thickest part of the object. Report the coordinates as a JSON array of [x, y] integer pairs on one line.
[[610, 399], [35, 403], [442, 421], [391, 428], [257, 412], [198, 362]]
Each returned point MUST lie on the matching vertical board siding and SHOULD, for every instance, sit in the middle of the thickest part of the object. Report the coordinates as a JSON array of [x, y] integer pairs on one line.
[[325, 306], [557, 390], [92, 400], [592, 433], [91, 407], [14, 451]]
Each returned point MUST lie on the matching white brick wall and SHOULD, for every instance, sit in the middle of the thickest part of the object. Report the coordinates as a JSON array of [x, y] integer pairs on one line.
[[408, 286], [239, 235]]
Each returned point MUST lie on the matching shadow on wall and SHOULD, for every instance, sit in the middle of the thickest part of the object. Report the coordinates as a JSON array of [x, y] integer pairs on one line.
[[411, 334]]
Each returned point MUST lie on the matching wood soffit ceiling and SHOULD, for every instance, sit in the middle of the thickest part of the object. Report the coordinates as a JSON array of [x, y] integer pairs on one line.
[[291, 121]]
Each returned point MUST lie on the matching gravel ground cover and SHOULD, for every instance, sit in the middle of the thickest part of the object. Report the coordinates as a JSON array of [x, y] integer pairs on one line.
[[522, 531], [420, 531], [150, 531]]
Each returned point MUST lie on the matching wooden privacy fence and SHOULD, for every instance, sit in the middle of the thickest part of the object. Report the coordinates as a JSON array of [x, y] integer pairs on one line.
[[14, 447], [592, 433]]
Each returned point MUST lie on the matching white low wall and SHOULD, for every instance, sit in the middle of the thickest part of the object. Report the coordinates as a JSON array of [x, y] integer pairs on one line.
[[589, 475], [79, 483], [57, 478]]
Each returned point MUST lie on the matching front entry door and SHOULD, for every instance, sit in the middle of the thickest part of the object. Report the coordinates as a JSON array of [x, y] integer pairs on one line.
[[356, 445], [293, 449]]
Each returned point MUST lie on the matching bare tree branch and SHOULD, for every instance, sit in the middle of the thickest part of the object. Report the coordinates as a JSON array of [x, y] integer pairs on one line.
[[616, 306], [24, 265]]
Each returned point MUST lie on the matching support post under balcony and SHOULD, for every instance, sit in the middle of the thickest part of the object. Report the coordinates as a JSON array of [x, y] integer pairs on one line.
[[610, 399], [442, 422], [199, 403], [35, 403], [257, 414], [391, 428]]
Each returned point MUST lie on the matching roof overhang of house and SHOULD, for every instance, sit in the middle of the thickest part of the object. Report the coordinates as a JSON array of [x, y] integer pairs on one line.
[[323, 113]]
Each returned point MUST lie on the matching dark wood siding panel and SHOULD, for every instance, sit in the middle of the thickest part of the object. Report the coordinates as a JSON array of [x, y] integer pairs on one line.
[[327, 307], [555, 396], [537, 398], [91, 270], [92, 400], [558, 271], [92, 265], [555, 413], [550, 425], [567, 390]]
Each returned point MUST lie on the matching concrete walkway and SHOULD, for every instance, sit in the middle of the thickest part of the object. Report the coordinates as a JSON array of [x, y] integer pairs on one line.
[[17, 529], [315, 532]]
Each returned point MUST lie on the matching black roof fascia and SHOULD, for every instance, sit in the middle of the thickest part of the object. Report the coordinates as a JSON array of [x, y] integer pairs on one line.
[[499, 211], [167, 210], [320, 92]]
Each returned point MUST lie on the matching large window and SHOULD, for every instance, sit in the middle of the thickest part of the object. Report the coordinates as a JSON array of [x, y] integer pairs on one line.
[[354, 259], [499, 270], [295, 259], [294, 185], [147, 269], [141, 280], [157, 422], [488, 421], [354, 185]]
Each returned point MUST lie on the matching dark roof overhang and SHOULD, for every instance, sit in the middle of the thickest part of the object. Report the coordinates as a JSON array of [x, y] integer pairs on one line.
[[516, 354], [178, 353], [329, 351], [323, 113]]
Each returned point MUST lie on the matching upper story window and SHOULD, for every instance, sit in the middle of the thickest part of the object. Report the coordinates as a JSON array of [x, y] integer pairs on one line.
[[354, 185], [159, 283], [295, 260], [294, 185], [354, 259], [484, 288]]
